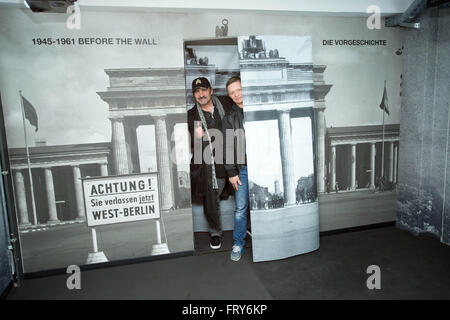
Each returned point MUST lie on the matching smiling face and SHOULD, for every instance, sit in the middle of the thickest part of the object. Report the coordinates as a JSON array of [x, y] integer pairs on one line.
[[203, 96], [235, 93]]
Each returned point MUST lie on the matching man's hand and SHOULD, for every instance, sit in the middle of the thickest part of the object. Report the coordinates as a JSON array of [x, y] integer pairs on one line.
[[234, 181], [198, 130]]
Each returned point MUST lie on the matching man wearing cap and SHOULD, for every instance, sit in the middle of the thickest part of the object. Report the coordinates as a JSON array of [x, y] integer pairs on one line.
[[208, 175]]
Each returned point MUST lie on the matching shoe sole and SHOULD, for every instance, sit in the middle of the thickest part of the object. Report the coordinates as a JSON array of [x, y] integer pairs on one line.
[[215, 247]]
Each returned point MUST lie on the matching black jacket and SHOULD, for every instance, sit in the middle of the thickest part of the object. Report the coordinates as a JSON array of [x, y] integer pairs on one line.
[[234, 120], [199, 171]]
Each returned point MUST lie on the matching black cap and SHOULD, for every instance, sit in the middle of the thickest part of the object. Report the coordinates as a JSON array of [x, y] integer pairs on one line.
[[200, 83]]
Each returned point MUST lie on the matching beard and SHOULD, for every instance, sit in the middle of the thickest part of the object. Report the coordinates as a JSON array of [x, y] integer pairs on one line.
[[203, 101]]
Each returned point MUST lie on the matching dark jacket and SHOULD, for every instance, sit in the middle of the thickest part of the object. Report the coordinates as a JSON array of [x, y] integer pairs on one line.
[[199, 171], [234, 120]]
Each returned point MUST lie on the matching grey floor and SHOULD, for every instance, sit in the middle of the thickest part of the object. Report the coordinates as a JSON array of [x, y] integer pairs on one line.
[[412, 267]]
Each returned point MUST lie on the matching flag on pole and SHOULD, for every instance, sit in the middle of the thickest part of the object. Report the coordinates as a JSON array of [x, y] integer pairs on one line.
[[384, 100], [30, 112]]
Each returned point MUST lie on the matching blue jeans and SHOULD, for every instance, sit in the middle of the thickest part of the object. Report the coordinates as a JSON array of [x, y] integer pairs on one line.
[[240, 213]]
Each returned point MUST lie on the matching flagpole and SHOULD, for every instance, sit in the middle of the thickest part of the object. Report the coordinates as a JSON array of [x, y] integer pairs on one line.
[[382, 147], [28, 161], [382, 151]]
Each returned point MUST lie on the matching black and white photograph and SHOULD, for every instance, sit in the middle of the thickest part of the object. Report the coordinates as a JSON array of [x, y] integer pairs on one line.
[[100, 102], [85, 107], [277, 86]]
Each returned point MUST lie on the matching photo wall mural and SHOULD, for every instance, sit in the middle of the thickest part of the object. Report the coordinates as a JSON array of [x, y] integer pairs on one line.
[[109, 99]]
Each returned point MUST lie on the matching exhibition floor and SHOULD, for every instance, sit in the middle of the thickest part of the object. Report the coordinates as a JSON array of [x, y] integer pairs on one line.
[[411, 268]]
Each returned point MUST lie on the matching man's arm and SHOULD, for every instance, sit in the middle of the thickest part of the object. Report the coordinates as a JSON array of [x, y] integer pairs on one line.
[[190, 122], [228, 144]]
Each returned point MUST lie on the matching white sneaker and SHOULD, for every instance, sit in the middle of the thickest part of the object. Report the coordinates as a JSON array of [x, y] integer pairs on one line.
[[236, 253]]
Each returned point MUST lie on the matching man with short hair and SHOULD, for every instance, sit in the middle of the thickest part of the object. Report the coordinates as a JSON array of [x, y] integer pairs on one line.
[[236, 163], [208, 185]]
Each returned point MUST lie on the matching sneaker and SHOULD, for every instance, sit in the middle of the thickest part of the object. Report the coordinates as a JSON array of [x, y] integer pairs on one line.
[[236, 253], [215, 242]]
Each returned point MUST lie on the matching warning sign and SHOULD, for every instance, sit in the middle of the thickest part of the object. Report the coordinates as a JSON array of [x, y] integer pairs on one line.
[[117, 199]]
